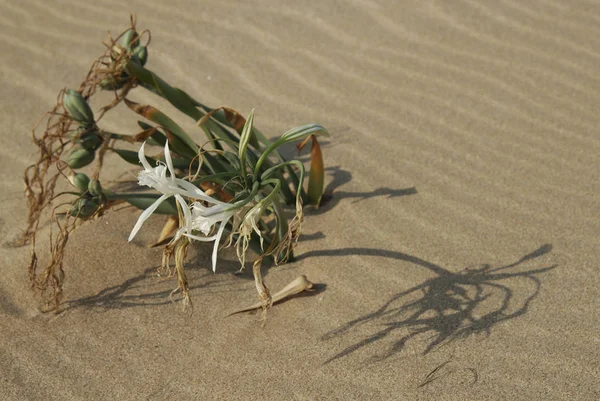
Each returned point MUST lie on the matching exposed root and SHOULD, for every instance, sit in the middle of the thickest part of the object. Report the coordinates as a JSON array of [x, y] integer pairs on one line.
[[263, 292], [286, 245], [177, 247], [59, 135]]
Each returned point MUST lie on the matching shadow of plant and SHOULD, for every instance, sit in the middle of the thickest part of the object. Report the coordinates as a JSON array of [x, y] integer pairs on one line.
[[447, 306], [148, 289], [331, 196]]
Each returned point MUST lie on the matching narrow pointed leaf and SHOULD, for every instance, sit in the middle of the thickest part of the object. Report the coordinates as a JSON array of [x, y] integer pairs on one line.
[[244, 139], [302, 132], [132, 157], [144, 125], [163, 89], [316, 177], [143, 201], [228, 117], [155, 115], [232, 119], [121, 137], [181, 100], [178, 146], [145, 134]]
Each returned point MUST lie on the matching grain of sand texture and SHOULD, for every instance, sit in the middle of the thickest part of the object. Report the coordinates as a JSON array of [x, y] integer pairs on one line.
[[458, 257]]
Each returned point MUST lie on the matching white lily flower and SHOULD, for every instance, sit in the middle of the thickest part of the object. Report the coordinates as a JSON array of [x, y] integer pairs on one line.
[[156, 177], [202, 218]]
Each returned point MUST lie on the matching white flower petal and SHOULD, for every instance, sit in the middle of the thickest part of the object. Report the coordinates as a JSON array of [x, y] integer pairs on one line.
[[184, 207], [203, 239], [145, 215], [143, 159], [169, 160], [210, 212], [193, 191], [216, 246]]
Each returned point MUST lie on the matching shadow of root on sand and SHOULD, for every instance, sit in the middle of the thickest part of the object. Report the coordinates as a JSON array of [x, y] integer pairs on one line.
[[446, 307]]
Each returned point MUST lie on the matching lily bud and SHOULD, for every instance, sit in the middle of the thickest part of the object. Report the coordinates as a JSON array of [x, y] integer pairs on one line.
[[78, 108], [80, 158], [141, 52], [90, 141], [80, 181], [130, 40], [111, 83], [83, 208], [94, 188]]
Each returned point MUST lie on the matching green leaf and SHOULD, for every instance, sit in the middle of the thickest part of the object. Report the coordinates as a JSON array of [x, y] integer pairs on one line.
[[132, 157], [232, 119], [244, 139], [180, 100], [163, 89], [157, 138], [301, 132], [155, 115], [144, 125], [189, 106], [143, 201], [220, 178]]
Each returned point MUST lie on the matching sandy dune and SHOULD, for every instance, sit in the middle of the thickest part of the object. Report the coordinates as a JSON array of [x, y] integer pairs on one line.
[[462, 234]]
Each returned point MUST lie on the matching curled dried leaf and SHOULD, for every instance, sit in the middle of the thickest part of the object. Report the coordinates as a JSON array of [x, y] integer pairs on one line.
[[298, 285]]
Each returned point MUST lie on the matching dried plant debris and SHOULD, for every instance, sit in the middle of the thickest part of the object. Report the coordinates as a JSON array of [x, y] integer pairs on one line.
[[298, 285]]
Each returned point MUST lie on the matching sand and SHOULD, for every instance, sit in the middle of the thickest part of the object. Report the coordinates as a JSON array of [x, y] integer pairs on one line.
[[457, 259]]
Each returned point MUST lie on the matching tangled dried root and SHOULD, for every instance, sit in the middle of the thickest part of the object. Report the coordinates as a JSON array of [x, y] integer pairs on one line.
[[59, 134]]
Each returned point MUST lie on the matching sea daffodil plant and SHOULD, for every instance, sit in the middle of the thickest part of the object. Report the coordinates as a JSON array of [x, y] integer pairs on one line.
[[232, 183]]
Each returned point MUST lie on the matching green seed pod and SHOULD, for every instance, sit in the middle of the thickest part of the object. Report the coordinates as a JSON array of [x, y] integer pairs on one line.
[[90, 141], [78, 108], [141, 52], [111, 84], [80, 181], [73, 134], [83, 208], [130, 40], [94, 188], [80, 158]]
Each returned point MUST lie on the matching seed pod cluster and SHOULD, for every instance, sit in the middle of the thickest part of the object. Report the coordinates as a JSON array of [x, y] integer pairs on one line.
[[141, 52], [94, 188], [129, 44], [90, 140], [91, 196], [80, 181], [80, 157], [83, 208], [130, 39], [78, 108]]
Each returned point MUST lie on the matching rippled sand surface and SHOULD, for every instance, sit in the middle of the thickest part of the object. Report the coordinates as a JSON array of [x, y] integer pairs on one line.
[[458, 256]]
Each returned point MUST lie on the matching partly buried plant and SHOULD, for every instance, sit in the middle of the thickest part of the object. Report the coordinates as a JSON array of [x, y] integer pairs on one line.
[[235, 182]]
